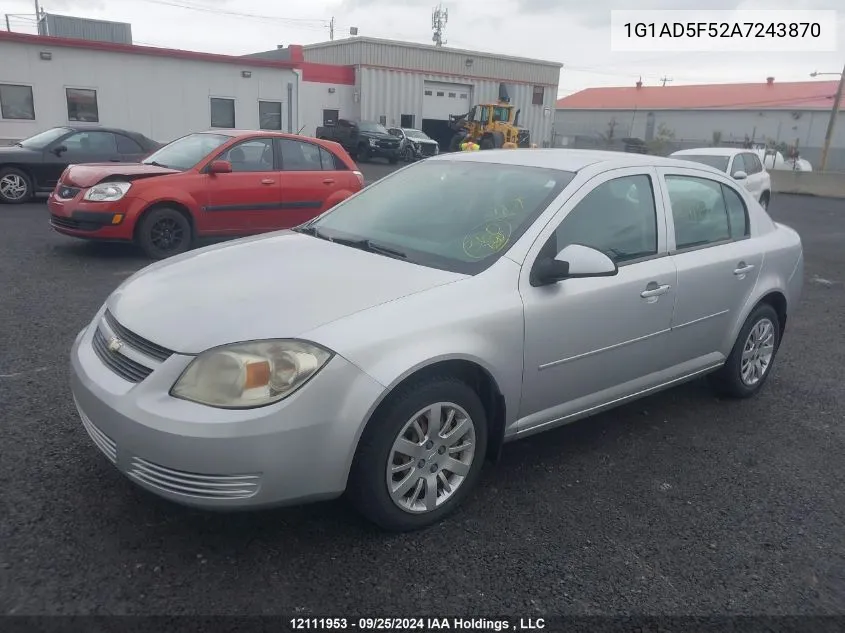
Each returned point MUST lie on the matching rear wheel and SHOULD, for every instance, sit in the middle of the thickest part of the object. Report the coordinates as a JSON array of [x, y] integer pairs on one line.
[[487, 143], [420, 455], [750, 361], [163, 233], [15, 186]]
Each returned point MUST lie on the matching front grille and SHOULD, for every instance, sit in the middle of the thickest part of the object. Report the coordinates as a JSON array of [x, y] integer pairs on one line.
[[103, 441], [187, 484], [428, 149], [67, 193], [139, 343], [388, 144], [70, 223], [124, 367]]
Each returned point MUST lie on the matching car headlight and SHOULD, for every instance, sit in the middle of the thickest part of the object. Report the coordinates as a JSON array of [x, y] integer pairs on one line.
[[107, 191], [373, 142], [247, 375]]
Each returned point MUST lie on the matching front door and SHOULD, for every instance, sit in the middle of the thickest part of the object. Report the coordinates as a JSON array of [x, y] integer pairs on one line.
[[718, 264], [589, 340], [94, 146], [237, 201]]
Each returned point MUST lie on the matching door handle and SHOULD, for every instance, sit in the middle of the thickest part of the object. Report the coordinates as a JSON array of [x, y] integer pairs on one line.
[[743, 268], [654, 290], [268, 181], [328, 181]]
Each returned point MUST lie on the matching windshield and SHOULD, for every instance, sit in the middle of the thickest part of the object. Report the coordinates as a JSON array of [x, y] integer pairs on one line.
[[184, 153], [719, 162], [43, 139], [454, 215], [416, 134], [369, 126], [501, 114]]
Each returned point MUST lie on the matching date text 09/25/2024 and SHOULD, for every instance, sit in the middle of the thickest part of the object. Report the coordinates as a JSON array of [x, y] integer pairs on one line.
[[417, 625]]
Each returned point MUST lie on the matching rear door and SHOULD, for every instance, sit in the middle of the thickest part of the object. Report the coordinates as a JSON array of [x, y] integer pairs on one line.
[[309, 180], [238, 201], [129, 149], [717, 261]]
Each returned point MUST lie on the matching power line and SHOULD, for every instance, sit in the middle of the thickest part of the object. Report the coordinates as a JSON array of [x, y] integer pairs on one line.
[[307, 23]]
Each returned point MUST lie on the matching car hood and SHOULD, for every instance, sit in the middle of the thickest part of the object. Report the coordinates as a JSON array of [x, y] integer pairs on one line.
[[379, 136], [275, 285], [89, 174], [10, 152]]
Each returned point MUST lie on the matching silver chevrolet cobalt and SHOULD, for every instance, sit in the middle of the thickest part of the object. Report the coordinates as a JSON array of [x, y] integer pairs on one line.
[[390, 346]]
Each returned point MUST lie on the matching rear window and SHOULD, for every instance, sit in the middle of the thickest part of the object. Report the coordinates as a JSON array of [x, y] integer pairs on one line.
[[719, 162]]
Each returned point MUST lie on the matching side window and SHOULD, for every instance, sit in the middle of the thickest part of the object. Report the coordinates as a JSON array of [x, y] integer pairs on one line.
[[299, 156], [94, 141], [739, 165], [252, 155], [126, 145], [699, 212], [618, 217], [327, 160], [737, 213], [756, 165]]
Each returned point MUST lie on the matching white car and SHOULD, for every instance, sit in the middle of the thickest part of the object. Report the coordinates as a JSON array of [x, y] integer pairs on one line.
[[741, 164]]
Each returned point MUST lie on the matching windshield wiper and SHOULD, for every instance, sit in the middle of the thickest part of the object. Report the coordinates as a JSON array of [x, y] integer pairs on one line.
[[363, 244], [18, 144], [155, 163]]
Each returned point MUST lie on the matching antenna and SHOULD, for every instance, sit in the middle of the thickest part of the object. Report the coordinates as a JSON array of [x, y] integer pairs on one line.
[[665, 80], [439, 18], [331, 29]]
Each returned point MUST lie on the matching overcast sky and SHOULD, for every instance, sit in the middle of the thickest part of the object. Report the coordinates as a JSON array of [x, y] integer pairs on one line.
[[573, 32]]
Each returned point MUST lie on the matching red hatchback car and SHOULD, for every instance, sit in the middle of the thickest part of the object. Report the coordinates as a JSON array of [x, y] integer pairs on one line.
[[209, 184]]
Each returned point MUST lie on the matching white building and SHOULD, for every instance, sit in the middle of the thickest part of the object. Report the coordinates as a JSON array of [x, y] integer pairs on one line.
[[161, 93], [166, 93], [415, 85]]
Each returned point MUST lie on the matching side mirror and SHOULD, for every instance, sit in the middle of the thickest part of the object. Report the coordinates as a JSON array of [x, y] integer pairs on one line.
[[740, 175], [59, 150], [574, 261], [220, 167]]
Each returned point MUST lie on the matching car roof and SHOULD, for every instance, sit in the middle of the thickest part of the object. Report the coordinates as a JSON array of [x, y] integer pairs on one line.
[[712, 151], [99, 128], [568, 159]]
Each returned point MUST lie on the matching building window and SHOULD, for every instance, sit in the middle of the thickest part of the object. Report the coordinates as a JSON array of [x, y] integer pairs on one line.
[[407, 120], [428, 93], [463, 95], [440, 94], [16, 102], [452, 95], [222, 112], [270, 115], [539, 94], [383, 119], [82, 105]]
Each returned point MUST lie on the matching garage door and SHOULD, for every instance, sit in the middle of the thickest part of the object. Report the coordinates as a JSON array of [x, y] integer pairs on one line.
[[442, 99]]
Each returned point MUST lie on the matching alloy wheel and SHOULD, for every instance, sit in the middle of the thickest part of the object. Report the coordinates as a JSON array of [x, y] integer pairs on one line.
[[431, 457], [757, 352], [166, 234], [13, 187]]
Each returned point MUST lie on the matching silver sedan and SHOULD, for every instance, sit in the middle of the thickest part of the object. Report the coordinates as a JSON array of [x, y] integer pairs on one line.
[[391, 346]]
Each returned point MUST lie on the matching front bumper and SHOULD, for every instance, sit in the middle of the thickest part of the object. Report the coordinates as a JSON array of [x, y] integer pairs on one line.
[[297, 450], [94, 220]]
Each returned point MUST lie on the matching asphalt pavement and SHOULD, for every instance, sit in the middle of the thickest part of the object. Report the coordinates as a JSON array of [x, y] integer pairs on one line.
[[677, 504]]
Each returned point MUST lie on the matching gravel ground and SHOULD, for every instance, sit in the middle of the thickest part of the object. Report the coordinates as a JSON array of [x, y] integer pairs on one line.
[[677, 504]]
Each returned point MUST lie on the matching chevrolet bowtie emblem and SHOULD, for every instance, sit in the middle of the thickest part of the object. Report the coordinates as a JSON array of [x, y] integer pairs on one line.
[[114, 344]]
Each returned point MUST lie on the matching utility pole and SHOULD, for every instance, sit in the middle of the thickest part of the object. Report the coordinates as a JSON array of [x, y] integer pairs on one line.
[[8, 28], [666, 79], [834, 114], [331, 29], [439, 17]]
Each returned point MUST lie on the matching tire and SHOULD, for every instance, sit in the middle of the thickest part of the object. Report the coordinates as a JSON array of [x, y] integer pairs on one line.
[[729, 380], [363, 153], [177, 237], [368, 480], [393, 159], [487, 143], [15, 186], [764, 200]]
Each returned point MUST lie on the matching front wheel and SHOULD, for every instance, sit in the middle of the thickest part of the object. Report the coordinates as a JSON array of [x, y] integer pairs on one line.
[[750, 361], [15, 186], [420, 455], [364, 153], [164, 233], [393, 159]]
